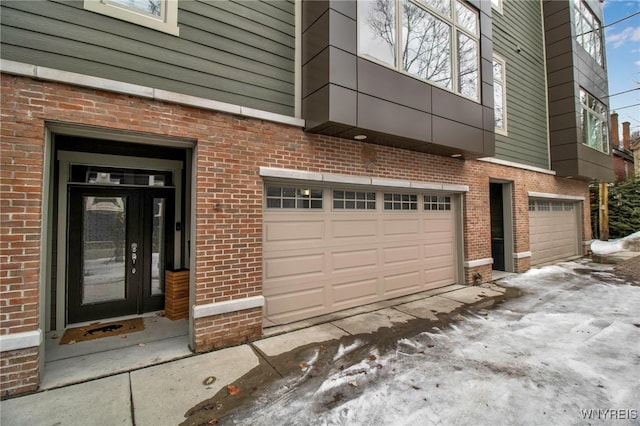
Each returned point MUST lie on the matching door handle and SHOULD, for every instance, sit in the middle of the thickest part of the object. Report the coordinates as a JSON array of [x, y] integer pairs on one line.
[[134, 257]]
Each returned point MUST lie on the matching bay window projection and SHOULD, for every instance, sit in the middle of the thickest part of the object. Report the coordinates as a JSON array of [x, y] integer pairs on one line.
[[434, 40]]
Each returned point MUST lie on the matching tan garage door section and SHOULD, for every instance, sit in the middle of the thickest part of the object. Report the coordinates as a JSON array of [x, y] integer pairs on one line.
[[329, 258], [553, 230]]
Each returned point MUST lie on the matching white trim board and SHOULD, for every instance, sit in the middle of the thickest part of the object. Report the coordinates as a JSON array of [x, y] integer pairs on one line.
[[277, 173], [555, 196], [17, 341], [478, 262], [203, 311]]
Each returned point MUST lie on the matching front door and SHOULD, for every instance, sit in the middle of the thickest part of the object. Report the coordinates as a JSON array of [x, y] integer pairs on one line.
[[120, 242]]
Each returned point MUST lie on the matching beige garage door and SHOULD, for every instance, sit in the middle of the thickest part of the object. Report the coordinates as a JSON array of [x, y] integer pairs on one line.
[[329, 249], [553, 230]]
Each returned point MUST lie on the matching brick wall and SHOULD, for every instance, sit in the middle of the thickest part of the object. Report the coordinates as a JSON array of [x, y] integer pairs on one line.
[[229, 151], [19, 371]]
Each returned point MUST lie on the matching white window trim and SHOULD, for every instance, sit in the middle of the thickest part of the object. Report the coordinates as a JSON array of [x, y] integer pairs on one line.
[[497, 5], [167, 23], [504, 130]]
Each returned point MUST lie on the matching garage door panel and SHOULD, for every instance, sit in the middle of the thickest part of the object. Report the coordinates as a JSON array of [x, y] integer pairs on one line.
[[294, 231], [553, 235], [300, 266], [394, 227], [443, 249], [354, 260], [355, 292], [401, 283], [295, 305], [437, 275], [404, 254], [346, 229], [317, 262]]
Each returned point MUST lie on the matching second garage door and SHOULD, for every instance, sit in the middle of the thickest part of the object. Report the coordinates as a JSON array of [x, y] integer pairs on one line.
[[329, 249], [553, 230]]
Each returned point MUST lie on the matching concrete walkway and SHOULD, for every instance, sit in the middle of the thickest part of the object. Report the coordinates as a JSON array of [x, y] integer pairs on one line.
[[162, 394]]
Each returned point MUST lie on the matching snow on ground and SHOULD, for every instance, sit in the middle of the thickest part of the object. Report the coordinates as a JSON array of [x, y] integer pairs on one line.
[[614, 246], [570, 346]]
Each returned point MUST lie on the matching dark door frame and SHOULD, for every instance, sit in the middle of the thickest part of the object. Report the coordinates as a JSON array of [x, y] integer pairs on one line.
[[139, 208]]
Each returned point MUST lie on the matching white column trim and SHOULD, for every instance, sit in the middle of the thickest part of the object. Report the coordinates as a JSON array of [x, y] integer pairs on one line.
[[522, 255], [478, 262], [202, 311], [17, 341]]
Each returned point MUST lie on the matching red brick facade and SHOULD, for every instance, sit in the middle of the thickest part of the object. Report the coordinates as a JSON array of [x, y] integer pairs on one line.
[[229, 151]]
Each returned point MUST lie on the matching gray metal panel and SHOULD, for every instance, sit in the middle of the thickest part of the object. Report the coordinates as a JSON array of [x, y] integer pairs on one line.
[[331, 65], [386, 117], [570, 67], [241, 53], [398, 88], [448, 105], [457, 135]]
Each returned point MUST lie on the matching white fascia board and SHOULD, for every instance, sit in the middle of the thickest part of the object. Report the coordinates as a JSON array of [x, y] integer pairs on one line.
[[555, 196], [277, 173], [395, 183], [517, 165]]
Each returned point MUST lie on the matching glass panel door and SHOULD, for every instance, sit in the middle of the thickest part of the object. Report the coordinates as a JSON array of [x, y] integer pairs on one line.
[[103, 249]]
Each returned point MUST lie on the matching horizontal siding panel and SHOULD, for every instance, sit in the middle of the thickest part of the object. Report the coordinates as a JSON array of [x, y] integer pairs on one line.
[[251, 64], [527, 141]]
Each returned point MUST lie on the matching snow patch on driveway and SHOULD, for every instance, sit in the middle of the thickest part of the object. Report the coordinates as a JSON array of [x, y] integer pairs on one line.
[[570, 344]]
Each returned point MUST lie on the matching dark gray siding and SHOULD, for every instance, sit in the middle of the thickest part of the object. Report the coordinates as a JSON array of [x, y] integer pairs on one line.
[[240, 52], [520, 26], [570, 67]]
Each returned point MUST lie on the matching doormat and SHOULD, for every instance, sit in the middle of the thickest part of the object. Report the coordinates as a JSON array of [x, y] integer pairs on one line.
[[101, 329]]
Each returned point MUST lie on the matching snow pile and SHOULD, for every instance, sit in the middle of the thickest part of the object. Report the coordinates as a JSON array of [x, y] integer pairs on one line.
[[628, 243], [568, 347]]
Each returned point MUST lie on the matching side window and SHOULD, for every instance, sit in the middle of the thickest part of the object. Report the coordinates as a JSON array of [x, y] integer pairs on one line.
[[437, 202], [354, 200], [280, 197], [160, 15], [500, 94], [400, 201]]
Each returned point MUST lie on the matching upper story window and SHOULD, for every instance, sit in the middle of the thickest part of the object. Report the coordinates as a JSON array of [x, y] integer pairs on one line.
[[161, 15], [500, 94], [435, 40], [593, 117], [588, 30]]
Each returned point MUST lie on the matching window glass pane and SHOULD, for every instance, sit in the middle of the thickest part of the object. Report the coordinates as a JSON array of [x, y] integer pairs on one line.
[[498, 107], [274, 203], [151, 7], [497, 70], [316, 204], [426, 45], [288, 203], [273, 191], [466, 18], [467, 66], [442, 6], [377, 30], [288, 192]]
